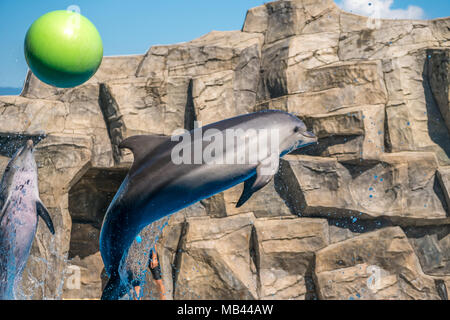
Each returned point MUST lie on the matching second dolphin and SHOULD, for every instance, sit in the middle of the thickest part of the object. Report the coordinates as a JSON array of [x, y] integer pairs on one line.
[[20, 207]]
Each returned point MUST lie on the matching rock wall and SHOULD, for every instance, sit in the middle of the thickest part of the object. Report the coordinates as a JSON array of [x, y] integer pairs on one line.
[[363, 215]]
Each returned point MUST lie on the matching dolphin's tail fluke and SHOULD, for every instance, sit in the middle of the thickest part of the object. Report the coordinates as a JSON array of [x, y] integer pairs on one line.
[[115, 289]]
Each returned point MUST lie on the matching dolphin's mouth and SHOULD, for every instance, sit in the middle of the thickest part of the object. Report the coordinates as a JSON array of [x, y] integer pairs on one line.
[[299, 145], [309, 134], [308, 144]]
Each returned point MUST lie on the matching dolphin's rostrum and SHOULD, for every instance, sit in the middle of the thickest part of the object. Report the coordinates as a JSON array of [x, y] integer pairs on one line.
[[158, 185], [20, 206]]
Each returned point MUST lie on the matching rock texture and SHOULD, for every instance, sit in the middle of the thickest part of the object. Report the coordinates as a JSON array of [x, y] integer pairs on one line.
[[379, 265], [363, 215]]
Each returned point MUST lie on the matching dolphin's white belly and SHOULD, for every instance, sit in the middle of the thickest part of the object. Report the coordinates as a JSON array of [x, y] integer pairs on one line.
[[213, 179], [208, 179], [17, 231], [195, 186]]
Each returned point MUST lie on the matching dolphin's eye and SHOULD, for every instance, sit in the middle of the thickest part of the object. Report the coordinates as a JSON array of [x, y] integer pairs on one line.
[[297, 129]]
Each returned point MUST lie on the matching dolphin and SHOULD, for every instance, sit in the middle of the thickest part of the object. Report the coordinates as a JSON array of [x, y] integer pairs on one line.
[[20, 207], [159, 184]]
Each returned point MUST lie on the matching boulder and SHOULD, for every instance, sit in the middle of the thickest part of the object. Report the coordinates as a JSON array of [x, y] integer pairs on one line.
[[377, 265], [402, 187], [285, 256], [216, 260], [432, 247]]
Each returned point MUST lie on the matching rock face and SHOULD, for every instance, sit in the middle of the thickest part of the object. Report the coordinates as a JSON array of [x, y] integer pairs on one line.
[[377, 265], [363, 215]]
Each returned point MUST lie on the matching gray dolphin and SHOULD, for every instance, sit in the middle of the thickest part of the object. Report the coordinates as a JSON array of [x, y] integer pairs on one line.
[[158, 185], [20, 206]]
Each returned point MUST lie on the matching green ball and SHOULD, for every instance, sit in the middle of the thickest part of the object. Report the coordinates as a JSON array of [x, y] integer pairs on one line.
[[63, 49]]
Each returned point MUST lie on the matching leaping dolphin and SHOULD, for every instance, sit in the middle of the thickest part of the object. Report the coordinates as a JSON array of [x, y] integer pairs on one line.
[[20, 206], [159, 183]]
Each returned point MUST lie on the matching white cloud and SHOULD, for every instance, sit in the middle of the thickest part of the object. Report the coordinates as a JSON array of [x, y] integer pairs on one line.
[[381, 9]]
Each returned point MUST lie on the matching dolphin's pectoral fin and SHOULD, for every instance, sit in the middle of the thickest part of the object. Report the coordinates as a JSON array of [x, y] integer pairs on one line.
[[264, 174], [251, 186], [43, 213], [248, 192], [142, 145]]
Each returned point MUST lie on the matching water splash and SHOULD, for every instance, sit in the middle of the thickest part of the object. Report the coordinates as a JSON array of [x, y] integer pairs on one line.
[[135, 266]]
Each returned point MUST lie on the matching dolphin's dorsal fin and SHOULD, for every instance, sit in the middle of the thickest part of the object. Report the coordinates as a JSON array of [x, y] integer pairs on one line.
[[264, 174], [43, 213], [142, 145]]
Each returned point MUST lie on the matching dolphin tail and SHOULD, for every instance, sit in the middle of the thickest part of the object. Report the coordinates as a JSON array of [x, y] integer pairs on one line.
[[115, 289]]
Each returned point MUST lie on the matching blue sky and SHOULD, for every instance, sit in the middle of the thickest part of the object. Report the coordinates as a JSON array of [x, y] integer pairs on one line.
[[132, 26]]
